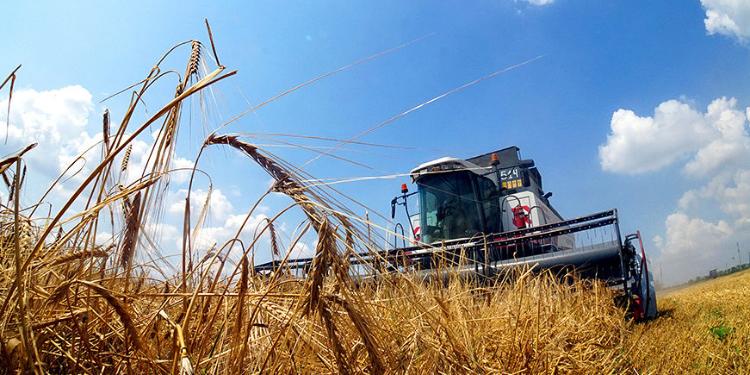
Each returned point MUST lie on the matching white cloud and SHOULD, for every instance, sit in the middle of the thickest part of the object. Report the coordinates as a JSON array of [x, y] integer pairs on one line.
[[181, 176], [735, 197], [641, 144], [82, 146], [674, 133], [56, 119], [702, 234], [60, 120], [692, 238], [729, 144], [221, 211], [166, 237], [710, 147], [728, 17], [208, 236], [691, 246], [219, 205], [219, 235], [729, 192], [687, 200], [302, 250], [161, 232], [138, 161], [540, 2]]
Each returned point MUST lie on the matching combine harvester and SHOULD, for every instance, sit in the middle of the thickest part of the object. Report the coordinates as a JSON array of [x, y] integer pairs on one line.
[[489, 214]]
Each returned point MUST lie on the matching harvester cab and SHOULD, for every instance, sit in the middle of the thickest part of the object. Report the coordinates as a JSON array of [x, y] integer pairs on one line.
[[490, 193]]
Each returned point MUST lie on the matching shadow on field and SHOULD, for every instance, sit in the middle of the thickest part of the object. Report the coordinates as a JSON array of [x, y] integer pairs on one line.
[[664, 313]]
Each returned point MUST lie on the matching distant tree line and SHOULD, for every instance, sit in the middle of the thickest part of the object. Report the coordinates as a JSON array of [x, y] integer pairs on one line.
[[714, 273]]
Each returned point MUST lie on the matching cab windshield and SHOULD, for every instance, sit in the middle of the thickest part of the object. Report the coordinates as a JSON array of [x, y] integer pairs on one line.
[[456, 205]]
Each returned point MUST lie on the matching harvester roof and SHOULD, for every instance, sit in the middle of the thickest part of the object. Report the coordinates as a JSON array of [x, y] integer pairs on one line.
[[444, 164]]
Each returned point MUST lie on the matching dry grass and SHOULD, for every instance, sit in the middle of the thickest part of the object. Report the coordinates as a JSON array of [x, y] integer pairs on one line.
[[75, 303], [534, 325], [703, 329]]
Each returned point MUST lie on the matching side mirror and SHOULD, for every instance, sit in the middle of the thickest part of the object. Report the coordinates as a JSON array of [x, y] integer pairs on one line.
[[546, 196], [393, 207]]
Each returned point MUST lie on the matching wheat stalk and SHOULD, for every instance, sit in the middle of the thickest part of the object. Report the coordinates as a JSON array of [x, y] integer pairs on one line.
[[132, 226], [274, 240], [126, 158], [195, 58], [120, 310], [106, 131]]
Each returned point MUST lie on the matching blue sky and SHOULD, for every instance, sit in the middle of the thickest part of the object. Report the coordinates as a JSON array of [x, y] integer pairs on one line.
[[600, 58]]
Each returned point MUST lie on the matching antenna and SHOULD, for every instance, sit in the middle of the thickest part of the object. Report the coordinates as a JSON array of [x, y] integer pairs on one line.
[[739, 259]]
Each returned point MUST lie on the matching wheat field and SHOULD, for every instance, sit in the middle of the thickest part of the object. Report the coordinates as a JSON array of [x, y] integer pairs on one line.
[[75, 302], [702, 328]]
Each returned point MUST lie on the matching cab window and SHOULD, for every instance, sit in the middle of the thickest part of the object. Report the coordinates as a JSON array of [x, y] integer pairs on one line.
[[449, 208]]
